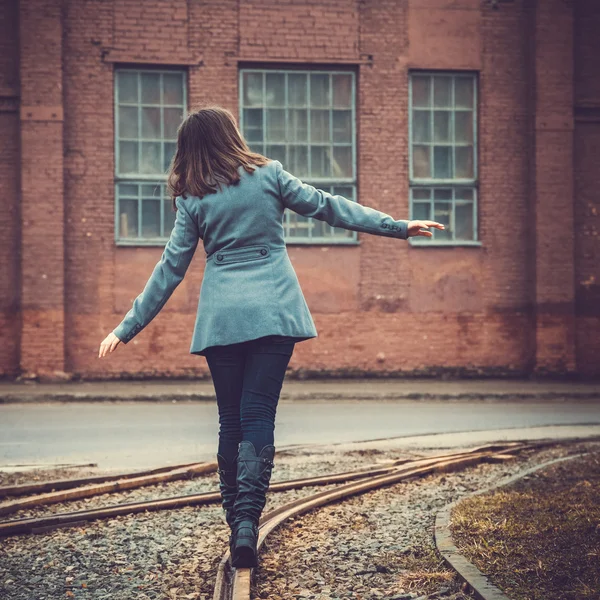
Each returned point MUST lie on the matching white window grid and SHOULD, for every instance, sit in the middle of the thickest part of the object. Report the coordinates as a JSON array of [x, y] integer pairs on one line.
[[140, 193], [458, 192], [300, 229]]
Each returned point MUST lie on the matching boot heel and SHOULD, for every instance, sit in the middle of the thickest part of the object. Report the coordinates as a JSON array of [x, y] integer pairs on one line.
[[244, 553]]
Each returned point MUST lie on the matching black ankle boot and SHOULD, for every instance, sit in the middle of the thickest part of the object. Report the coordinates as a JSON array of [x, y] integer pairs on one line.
[[253, 476], [228, 485]]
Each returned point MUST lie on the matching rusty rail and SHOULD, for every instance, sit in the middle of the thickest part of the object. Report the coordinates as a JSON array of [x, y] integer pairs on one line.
[[234, 584]]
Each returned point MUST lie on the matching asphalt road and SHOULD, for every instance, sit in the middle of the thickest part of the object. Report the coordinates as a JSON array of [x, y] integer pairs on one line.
[[133, 435]]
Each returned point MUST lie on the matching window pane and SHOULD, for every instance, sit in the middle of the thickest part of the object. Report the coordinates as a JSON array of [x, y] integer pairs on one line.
[[463, 194], [277, 152], [253, 89], [442, 123], [319, 89], [421, 126], [128, 189], [173, 88], [275, 89], [421, 91], [421, 211], [442, 194], [128, 157], [150, 123], [442, 89], [464, 126], [276, 125], [464, 97], [127, 83], [150, 88], [169, 217], [319, 228], [173, 118], [320, 162], [342, 161], [442, 163], [169, 153], [299, 161], [297, 87], [319, 126], [464, 162], [441, 214], [253, 124], [151, 218], [150, 161], [464, 221], [421, 193], [421, 161], [128, 122], [151, 190], [342, 126], [298, 125], [299, 225], [128, 218], [345, 191], [342, 91]]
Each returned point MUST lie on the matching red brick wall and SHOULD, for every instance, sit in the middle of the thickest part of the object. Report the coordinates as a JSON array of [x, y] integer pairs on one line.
[[42, 193], [10, 330], [502, 307], [553, 34], [587, 185]]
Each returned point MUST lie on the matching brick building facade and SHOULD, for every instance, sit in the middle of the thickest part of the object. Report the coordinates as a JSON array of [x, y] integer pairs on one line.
[[516, 290]]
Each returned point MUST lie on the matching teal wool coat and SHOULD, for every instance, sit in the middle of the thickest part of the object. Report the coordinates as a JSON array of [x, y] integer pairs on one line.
[[249, 288]]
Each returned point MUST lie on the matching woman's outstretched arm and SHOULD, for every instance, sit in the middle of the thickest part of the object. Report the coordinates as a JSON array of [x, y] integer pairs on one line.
[[166, 276], [338, 211]]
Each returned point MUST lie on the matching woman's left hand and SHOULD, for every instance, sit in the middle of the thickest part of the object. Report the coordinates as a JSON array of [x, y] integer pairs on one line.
[[108, 345], [414, 228]]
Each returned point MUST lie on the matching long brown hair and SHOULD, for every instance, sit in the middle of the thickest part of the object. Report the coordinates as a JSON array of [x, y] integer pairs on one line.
[[210, 149]]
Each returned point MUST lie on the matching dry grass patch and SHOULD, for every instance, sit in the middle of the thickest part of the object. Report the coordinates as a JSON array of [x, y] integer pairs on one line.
[[539, 538]]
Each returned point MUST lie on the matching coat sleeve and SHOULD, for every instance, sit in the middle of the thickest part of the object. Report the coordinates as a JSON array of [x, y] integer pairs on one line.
[[166, 276], [334, 209]]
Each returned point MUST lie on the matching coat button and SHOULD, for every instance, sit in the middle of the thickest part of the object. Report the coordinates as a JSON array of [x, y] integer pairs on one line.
[[263, 251], [219, 257]]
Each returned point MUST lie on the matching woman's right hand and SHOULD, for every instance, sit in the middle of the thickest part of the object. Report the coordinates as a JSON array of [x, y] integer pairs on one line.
[[414, 228]]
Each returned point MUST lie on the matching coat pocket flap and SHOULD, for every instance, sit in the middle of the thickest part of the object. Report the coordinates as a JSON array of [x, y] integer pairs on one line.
[[244, 253]]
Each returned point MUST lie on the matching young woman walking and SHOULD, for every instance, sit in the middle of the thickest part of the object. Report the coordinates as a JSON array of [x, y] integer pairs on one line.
[[251, 310]]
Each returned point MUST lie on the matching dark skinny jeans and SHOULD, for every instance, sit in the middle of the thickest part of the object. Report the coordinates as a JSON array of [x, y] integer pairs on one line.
[[248, 377]]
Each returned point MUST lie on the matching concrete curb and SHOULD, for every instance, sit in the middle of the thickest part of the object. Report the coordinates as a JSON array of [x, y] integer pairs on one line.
[[468, 572], [343, 389], [208, 396]]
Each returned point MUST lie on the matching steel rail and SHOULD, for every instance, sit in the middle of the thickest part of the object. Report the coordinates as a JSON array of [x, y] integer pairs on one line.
[[7, 508], [39, 487], [66, 519], [234, 584]]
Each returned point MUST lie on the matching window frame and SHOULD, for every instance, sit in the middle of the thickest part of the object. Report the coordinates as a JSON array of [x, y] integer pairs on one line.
[[453, 184], [139, 179], [327, 184]]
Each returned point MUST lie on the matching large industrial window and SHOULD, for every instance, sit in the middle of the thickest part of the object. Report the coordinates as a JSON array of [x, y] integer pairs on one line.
[[306, 120], [443, 154], [149, 107]]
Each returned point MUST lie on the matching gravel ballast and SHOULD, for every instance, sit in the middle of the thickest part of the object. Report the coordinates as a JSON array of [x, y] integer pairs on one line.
[[378, 545]]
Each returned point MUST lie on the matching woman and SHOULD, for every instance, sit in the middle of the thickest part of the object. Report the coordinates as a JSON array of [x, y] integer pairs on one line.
[[251, 311]]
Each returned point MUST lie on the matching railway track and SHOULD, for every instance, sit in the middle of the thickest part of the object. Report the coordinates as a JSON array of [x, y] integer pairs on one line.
[[234, 584], [231, 583]]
